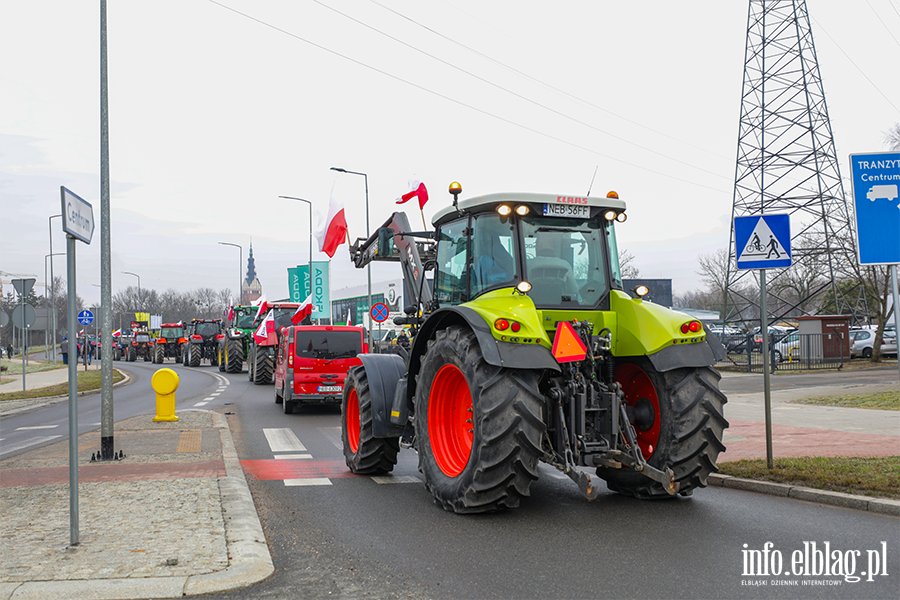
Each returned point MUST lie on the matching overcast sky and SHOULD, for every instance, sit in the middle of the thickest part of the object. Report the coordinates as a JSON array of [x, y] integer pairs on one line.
[[214, 114]]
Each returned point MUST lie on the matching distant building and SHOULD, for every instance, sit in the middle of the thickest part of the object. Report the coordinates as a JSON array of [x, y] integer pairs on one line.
[[251, 288]]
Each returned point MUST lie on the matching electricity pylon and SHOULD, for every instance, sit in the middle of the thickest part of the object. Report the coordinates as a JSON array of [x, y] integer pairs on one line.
[[786, 163]]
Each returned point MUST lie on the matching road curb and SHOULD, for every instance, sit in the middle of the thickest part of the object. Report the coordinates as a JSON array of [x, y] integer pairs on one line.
[[877, 505]]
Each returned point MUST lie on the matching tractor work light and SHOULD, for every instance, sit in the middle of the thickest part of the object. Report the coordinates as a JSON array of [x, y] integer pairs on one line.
[[641, 290], [523, 287], [621, 218], [610, 215], [504, 210], [522, 210]]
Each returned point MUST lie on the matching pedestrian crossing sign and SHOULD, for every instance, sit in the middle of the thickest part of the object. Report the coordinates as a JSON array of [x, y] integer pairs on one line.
[[763, 241]]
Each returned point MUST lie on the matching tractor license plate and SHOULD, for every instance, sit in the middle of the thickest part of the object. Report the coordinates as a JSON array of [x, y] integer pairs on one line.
[[567, 210], [330, 388]]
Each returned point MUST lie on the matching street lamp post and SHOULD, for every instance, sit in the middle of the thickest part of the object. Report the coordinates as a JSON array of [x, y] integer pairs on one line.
[[240, 268], [52, 295], [368, 233], [50, 256], [310, 241], [140, 303]]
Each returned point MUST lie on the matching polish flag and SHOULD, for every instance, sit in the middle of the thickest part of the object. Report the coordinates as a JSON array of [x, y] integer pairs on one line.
[[304, 310], [266, 329], [117, 333], [417, 191], [262, 306], [334, 231], [348, 318], [230, 315]]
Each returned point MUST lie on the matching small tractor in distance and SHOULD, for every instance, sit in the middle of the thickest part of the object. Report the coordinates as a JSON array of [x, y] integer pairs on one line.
[[169, 342], [527, 349], [238, 333], [141, 345], [204, 336], [261, 353]]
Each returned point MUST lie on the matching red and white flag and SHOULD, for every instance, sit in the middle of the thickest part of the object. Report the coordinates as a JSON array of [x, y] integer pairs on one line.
[[417, 190], [334, 231], [304, 310], [262, 306], [266, 330]]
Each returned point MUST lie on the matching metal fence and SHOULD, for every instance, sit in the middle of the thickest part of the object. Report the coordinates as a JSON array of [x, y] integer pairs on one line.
[[791, 352]]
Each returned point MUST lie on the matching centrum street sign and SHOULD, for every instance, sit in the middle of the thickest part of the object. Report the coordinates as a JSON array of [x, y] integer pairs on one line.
[[876, 199], [78, 216]]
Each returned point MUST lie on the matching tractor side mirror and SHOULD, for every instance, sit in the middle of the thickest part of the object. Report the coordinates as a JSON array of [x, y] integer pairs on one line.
[[385, 241]]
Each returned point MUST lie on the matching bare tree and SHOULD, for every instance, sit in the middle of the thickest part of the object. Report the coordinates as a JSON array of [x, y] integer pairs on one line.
[[892, 137], [626, 265]]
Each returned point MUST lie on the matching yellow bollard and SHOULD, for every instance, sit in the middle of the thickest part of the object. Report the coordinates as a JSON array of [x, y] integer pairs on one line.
[[165, 382]]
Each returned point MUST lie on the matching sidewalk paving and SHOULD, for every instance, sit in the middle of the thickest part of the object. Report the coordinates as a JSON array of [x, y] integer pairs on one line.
[[175, 517]]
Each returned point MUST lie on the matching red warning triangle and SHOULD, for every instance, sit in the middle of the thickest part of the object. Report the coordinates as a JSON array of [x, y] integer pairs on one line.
[[567, 345]]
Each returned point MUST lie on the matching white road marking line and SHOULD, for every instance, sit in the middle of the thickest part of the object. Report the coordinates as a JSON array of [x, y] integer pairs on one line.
[[295, 456], [214, 394], [201, 404], [333, 434], [28, 444], [36, 427], [283, 440], [308, 481], [396, 479], [208, 398]]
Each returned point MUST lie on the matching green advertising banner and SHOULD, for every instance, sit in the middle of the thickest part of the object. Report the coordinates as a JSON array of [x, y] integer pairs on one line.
[[321, 287]]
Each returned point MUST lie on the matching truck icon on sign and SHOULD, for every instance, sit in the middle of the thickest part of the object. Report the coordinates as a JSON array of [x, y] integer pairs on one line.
[[876, 192]]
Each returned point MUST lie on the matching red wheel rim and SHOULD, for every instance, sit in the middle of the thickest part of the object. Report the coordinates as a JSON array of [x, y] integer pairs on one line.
[[449, 409], [638, 388], [353, 421]]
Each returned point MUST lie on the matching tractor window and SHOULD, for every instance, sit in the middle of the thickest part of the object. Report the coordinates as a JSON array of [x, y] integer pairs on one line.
[[565, 261], [245, 319], [614, 255], [283, 317], [450, 281], [492, 259], [207, 329], [171, 332]]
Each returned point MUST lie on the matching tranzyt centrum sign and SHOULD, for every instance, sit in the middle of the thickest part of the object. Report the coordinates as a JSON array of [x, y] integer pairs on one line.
[[876, 199]]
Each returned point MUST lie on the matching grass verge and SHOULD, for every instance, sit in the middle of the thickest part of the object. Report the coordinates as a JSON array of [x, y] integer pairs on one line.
[[876, 401], [87, 380], [878, 477], [14, 367]]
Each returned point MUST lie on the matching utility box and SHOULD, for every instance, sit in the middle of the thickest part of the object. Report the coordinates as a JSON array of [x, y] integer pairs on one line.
[[834, 331]]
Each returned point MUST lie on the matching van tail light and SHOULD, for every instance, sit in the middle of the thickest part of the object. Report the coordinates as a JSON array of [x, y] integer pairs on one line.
[[291, 355]]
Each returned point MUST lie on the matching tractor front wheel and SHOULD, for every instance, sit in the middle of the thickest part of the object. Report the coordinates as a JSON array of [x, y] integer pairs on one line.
[[234, 356], [194, 356], [479, 426], [679, 421], [262, 368], [364, 453]]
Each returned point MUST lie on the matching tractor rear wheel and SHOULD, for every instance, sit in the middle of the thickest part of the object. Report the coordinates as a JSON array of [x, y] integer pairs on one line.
[[194, 356], [478, 426], [132, 354], [234, 356], [364, 453], [160, 354], [262, 370], [679, 421]]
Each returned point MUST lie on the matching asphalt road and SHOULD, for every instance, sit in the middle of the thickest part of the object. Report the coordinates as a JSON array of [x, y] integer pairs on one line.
[[351, 537]]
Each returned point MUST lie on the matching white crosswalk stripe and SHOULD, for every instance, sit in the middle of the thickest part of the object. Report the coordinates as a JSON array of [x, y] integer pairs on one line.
[[283, 440], [307, 481]]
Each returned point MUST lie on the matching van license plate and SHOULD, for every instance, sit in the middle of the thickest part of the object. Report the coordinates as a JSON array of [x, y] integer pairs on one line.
[[331, 388], [567, 210]]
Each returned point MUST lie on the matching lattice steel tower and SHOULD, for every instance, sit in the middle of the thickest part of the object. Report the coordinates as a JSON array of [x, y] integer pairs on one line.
[[786, 163]]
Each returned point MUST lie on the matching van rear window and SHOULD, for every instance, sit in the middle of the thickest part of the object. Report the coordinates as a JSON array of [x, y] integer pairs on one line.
[[328, 344]]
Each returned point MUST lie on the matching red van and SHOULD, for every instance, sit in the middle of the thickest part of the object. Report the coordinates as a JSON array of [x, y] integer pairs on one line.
[[312, 361]]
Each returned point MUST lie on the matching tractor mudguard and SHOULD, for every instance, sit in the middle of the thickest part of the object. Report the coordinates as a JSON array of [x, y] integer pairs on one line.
[[687, 355], [383, 371], [496, 352]]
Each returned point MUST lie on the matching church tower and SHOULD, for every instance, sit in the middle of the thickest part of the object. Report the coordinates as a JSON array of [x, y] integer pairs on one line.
[[251, 288]]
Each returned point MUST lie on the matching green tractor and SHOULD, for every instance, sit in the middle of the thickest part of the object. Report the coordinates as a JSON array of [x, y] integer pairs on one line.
[[238, 332], [527, 348]]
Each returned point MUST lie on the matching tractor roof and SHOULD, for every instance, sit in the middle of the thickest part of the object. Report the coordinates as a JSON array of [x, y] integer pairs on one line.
[[489, 201]]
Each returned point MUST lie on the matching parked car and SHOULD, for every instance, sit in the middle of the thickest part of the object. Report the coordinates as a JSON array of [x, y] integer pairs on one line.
[[777, 332], [862, 342], [311, 363], [787, 348]]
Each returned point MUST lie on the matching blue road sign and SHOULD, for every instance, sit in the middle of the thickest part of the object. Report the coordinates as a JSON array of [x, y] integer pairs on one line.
[[763, 241], [379, 312], [876, 188], [85, 317]]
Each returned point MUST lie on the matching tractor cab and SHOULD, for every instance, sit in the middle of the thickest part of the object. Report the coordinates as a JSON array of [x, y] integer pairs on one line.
[[559, 250]]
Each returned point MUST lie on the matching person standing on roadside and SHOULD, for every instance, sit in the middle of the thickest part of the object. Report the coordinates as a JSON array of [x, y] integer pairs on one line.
[[64, 350]]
